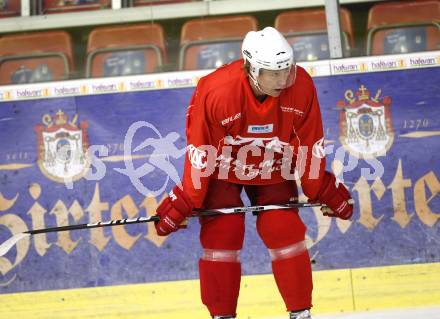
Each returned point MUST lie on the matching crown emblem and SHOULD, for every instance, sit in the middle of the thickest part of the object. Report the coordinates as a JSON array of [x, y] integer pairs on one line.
[[59, 119], [361, 96]]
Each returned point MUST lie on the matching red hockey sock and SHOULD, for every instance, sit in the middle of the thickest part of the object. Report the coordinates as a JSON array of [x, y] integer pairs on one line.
[[219, 286], [294, 280]]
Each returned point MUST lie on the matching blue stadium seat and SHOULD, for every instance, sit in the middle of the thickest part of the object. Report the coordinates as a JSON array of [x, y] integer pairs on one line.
[[35, 57], [403, 27], [125, 50], [210, 43], [306, 31]]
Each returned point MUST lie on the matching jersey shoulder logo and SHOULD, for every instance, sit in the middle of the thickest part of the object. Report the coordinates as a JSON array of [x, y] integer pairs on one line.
[[231, 119]]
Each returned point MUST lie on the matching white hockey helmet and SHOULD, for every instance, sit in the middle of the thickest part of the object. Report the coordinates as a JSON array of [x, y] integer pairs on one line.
[[266, 49]]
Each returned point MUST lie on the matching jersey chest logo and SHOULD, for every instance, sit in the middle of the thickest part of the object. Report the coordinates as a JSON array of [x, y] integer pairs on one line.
[[257, 129]]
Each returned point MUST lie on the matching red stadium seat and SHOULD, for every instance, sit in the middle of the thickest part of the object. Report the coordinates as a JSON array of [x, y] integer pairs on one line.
[[61, 6], [10, 8], [401, 27], [210, 43], [125, 50], [35, 57], [306, 31]]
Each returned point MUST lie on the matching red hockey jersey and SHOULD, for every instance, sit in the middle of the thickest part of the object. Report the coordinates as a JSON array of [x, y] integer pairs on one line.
[[233, 136]]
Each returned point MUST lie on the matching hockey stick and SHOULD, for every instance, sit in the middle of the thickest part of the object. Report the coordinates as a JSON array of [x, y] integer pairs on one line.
[[11, 242], [8, 244], [253, 209]]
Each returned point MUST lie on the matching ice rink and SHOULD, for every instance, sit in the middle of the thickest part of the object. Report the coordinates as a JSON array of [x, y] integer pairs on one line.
[[414, 313], [113, 110]]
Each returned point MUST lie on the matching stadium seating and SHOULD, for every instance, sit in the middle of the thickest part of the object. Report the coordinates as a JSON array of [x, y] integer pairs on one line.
[[137, 3], [61, 6], [35, 57], [401, 27], [306, 31], [211, 42], [125, 50], [10, 8]]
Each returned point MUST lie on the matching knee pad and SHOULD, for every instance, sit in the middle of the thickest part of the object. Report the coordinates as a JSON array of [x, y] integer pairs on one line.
[[288, 251], [222, 255], [280, 228], [223, 232]]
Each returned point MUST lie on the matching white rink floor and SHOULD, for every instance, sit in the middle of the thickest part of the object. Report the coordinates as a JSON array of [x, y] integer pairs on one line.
[[416, 313], [419, 313]]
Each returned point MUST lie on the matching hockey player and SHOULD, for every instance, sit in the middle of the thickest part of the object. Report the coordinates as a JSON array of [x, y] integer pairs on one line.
[[248, 125]]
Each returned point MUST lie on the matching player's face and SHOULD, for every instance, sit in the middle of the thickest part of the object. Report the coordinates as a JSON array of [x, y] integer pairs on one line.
[[272, 82]]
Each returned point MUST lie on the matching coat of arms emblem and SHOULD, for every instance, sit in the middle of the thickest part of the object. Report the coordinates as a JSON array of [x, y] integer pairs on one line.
[[62, 147], [365, 123]]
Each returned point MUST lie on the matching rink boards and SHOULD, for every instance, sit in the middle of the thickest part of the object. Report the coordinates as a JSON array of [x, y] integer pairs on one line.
[[382, 126], [335, 291]]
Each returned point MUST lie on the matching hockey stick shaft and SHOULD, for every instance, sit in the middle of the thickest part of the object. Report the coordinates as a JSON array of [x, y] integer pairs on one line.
[[115, 222], [253, 209], [8, 244]]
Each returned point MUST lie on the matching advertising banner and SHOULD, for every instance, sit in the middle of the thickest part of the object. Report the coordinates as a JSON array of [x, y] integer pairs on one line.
[[83, 159]]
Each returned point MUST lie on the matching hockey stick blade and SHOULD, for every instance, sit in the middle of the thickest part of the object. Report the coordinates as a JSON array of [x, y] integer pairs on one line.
[[11, 242]]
